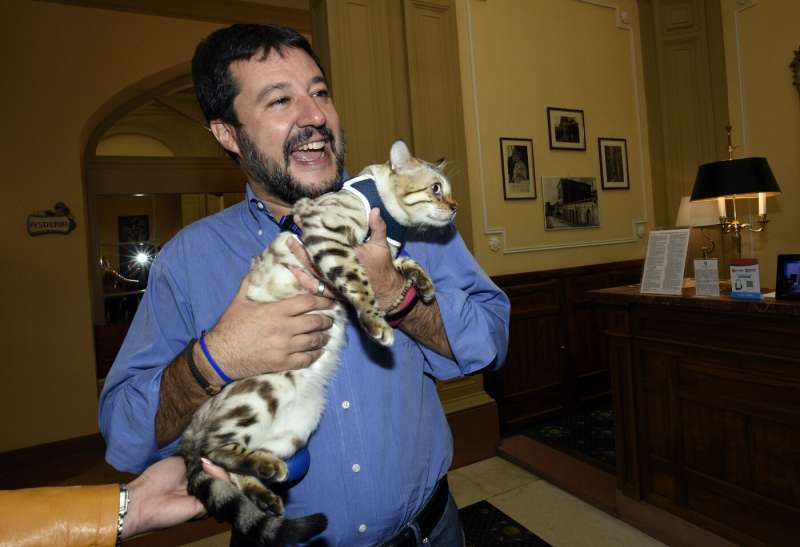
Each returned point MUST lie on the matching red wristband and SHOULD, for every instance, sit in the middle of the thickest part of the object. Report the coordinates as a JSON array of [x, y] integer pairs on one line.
[[405, 307]]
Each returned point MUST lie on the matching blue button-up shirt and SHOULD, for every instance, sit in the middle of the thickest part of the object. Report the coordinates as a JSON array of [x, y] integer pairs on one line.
[[383, 441]]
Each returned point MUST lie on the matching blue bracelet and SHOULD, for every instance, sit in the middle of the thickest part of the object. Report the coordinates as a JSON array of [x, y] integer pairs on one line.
[[225, 377]]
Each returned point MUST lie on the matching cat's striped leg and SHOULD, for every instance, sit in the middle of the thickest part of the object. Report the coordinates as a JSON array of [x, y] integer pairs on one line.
[[262, 496], [411, 270], [260, 463]]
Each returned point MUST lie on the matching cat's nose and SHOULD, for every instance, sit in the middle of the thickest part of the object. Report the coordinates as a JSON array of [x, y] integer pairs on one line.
[[453, 206]]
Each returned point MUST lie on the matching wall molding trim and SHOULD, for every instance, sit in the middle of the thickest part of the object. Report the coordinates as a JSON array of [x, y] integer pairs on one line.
[[497, 234], [216, 11]]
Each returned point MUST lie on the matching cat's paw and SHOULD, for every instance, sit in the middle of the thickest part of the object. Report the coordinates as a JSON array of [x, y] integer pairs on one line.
[[268, 502], [377, 328], [268, 466], [412, 271], [264, 498]]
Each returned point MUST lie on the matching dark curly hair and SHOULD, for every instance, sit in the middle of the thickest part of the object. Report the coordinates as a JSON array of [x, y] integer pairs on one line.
[[213, 83]]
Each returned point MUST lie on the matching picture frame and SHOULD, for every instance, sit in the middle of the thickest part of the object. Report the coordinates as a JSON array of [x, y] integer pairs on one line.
[[566, 128], [614, 173], [787, 283], [517, 164], [570, 202]]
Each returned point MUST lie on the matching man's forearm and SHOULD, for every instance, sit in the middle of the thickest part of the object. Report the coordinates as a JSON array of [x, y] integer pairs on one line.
[[425, 325], [179, 397]]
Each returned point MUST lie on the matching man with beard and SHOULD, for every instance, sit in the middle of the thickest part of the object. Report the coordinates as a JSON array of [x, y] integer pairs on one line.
[[383, 447]]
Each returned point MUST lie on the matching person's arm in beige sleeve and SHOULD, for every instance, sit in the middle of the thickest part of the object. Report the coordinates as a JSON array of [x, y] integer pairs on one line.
[[80, 516]]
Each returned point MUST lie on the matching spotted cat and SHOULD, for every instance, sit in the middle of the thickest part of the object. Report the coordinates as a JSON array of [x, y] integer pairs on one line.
[[255, 424]]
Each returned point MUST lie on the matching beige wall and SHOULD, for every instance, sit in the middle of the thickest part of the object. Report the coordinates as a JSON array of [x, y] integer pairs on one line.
[[760, 37], [525, 56], [61, 64]]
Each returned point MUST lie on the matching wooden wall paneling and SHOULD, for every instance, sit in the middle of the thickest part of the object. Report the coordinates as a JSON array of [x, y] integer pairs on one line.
[[716, 405], [434, 83], [354, 46], [683, 52], [557, 359]]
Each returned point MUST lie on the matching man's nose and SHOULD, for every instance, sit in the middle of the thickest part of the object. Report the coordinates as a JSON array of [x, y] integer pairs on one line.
[[311, 114]]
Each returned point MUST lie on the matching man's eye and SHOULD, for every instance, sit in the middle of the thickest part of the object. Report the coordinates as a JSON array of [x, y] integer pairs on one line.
[[321, 93], [279, 101]]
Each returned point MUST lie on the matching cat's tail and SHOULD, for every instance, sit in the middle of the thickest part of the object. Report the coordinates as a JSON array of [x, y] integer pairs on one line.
[[254, 520]]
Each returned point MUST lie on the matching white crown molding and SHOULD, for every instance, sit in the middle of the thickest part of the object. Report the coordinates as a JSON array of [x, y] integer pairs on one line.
[[497, 234]]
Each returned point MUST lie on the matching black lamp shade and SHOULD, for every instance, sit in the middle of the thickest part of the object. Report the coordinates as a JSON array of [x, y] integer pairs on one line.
[[745, 178]]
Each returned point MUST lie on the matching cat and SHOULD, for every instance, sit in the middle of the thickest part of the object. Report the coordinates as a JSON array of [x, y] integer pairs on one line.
[[236, 429]]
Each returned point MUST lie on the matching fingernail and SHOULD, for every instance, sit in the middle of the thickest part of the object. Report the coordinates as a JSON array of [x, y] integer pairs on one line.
[[206, 461]]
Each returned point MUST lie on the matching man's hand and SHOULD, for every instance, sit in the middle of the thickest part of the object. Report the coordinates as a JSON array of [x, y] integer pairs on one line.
[[376, 257], [158, 497], [255, 337]]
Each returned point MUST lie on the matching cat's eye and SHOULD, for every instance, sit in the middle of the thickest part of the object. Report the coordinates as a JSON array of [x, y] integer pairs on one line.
[[436, 188]]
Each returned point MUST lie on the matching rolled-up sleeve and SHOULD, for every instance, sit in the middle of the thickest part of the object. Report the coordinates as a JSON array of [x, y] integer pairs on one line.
[[130, 396], [474, 311]]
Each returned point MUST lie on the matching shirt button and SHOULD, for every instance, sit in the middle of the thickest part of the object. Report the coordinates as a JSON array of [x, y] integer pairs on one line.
[[345, 404], [260, 205], [356, 468], [261, 232], [362, 528]]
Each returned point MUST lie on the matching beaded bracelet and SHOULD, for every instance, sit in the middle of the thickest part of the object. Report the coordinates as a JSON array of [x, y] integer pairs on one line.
[[409, 301]]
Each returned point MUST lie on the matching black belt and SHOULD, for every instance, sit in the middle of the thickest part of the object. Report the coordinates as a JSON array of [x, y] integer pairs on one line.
[[428, 517]]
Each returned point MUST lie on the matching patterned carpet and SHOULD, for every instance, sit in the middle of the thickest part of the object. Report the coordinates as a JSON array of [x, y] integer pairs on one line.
[[486, 526], [589, 432]]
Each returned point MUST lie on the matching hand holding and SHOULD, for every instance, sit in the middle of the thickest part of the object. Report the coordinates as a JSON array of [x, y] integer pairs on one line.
[[255, 337], [376, 258], [158, 497]]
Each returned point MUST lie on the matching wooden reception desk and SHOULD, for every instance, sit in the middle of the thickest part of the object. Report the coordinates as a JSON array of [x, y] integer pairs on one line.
[[707, 408]]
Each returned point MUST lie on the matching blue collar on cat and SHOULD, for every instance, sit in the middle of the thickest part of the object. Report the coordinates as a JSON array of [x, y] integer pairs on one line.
[[364, 188]]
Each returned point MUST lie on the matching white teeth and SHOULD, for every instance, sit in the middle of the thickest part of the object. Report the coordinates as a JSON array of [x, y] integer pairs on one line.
[[317, 145]]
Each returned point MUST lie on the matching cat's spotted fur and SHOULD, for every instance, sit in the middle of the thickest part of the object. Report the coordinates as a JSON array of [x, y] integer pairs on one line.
[[255, 424]]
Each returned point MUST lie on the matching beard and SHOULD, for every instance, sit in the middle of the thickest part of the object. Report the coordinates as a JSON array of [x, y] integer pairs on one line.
[[275, 178]]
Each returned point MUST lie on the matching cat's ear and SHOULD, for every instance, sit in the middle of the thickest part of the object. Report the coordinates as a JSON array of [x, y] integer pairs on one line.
[[440, 164], [400, 157]]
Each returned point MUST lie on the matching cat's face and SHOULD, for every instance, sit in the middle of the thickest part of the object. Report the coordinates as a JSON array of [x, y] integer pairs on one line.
[[422, 189]]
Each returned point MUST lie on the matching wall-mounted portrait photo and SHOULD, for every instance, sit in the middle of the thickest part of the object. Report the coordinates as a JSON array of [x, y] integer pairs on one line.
[[566, 128], [516, 157]]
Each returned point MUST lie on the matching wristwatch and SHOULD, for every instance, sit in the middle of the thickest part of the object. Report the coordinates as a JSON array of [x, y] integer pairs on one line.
[[124, 500]]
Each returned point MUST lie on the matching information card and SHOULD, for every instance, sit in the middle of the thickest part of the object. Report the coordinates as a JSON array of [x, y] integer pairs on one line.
[[665, 261], [706, 277]]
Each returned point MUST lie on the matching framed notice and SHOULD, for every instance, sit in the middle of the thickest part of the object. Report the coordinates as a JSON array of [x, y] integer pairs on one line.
[[665, 261]]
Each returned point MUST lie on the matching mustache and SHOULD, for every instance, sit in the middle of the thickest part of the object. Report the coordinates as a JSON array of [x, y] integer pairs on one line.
[[304, 135]]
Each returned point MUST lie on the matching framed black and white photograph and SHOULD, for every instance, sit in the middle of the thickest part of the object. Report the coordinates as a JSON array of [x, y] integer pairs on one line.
[[570, 202], [516, 157], [566, 128], [613, 163]]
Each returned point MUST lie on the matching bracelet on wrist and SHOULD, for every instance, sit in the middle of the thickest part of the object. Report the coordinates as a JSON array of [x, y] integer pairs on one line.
[[210, 390], [211, 361], [409, 301], [400, 298], [124, 500]]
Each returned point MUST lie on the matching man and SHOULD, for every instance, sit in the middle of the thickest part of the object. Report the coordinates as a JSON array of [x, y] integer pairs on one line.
[[383, 446]]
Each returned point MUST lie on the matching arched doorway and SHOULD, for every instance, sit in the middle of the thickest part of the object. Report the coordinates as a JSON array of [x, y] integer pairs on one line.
[[150, 168]]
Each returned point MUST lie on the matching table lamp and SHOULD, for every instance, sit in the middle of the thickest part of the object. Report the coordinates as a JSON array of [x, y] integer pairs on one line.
[[736, 179], [698, 214]]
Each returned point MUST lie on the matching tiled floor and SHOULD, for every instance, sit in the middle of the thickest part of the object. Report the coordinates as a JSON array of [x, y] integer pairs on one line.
[[554, 515]]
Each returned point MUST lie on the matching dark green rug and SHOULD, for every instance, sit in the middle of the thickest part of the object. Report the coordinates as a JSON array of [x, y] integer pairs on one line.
[[486, 526], [589, 431]]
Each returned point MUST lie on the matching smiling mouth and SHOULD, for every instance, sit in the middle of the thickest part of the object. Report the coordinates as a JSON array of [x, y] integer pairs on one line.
[[309, 152]]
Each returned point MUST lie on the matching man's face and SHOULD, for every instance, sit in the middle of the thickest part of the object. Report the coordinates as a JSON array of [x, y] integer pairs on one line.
[[289, 141]]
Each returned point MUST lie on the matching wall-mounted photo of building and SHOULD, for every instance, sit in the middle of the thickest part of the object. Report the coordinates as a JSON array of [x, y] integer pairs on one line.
[[570, 202]]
